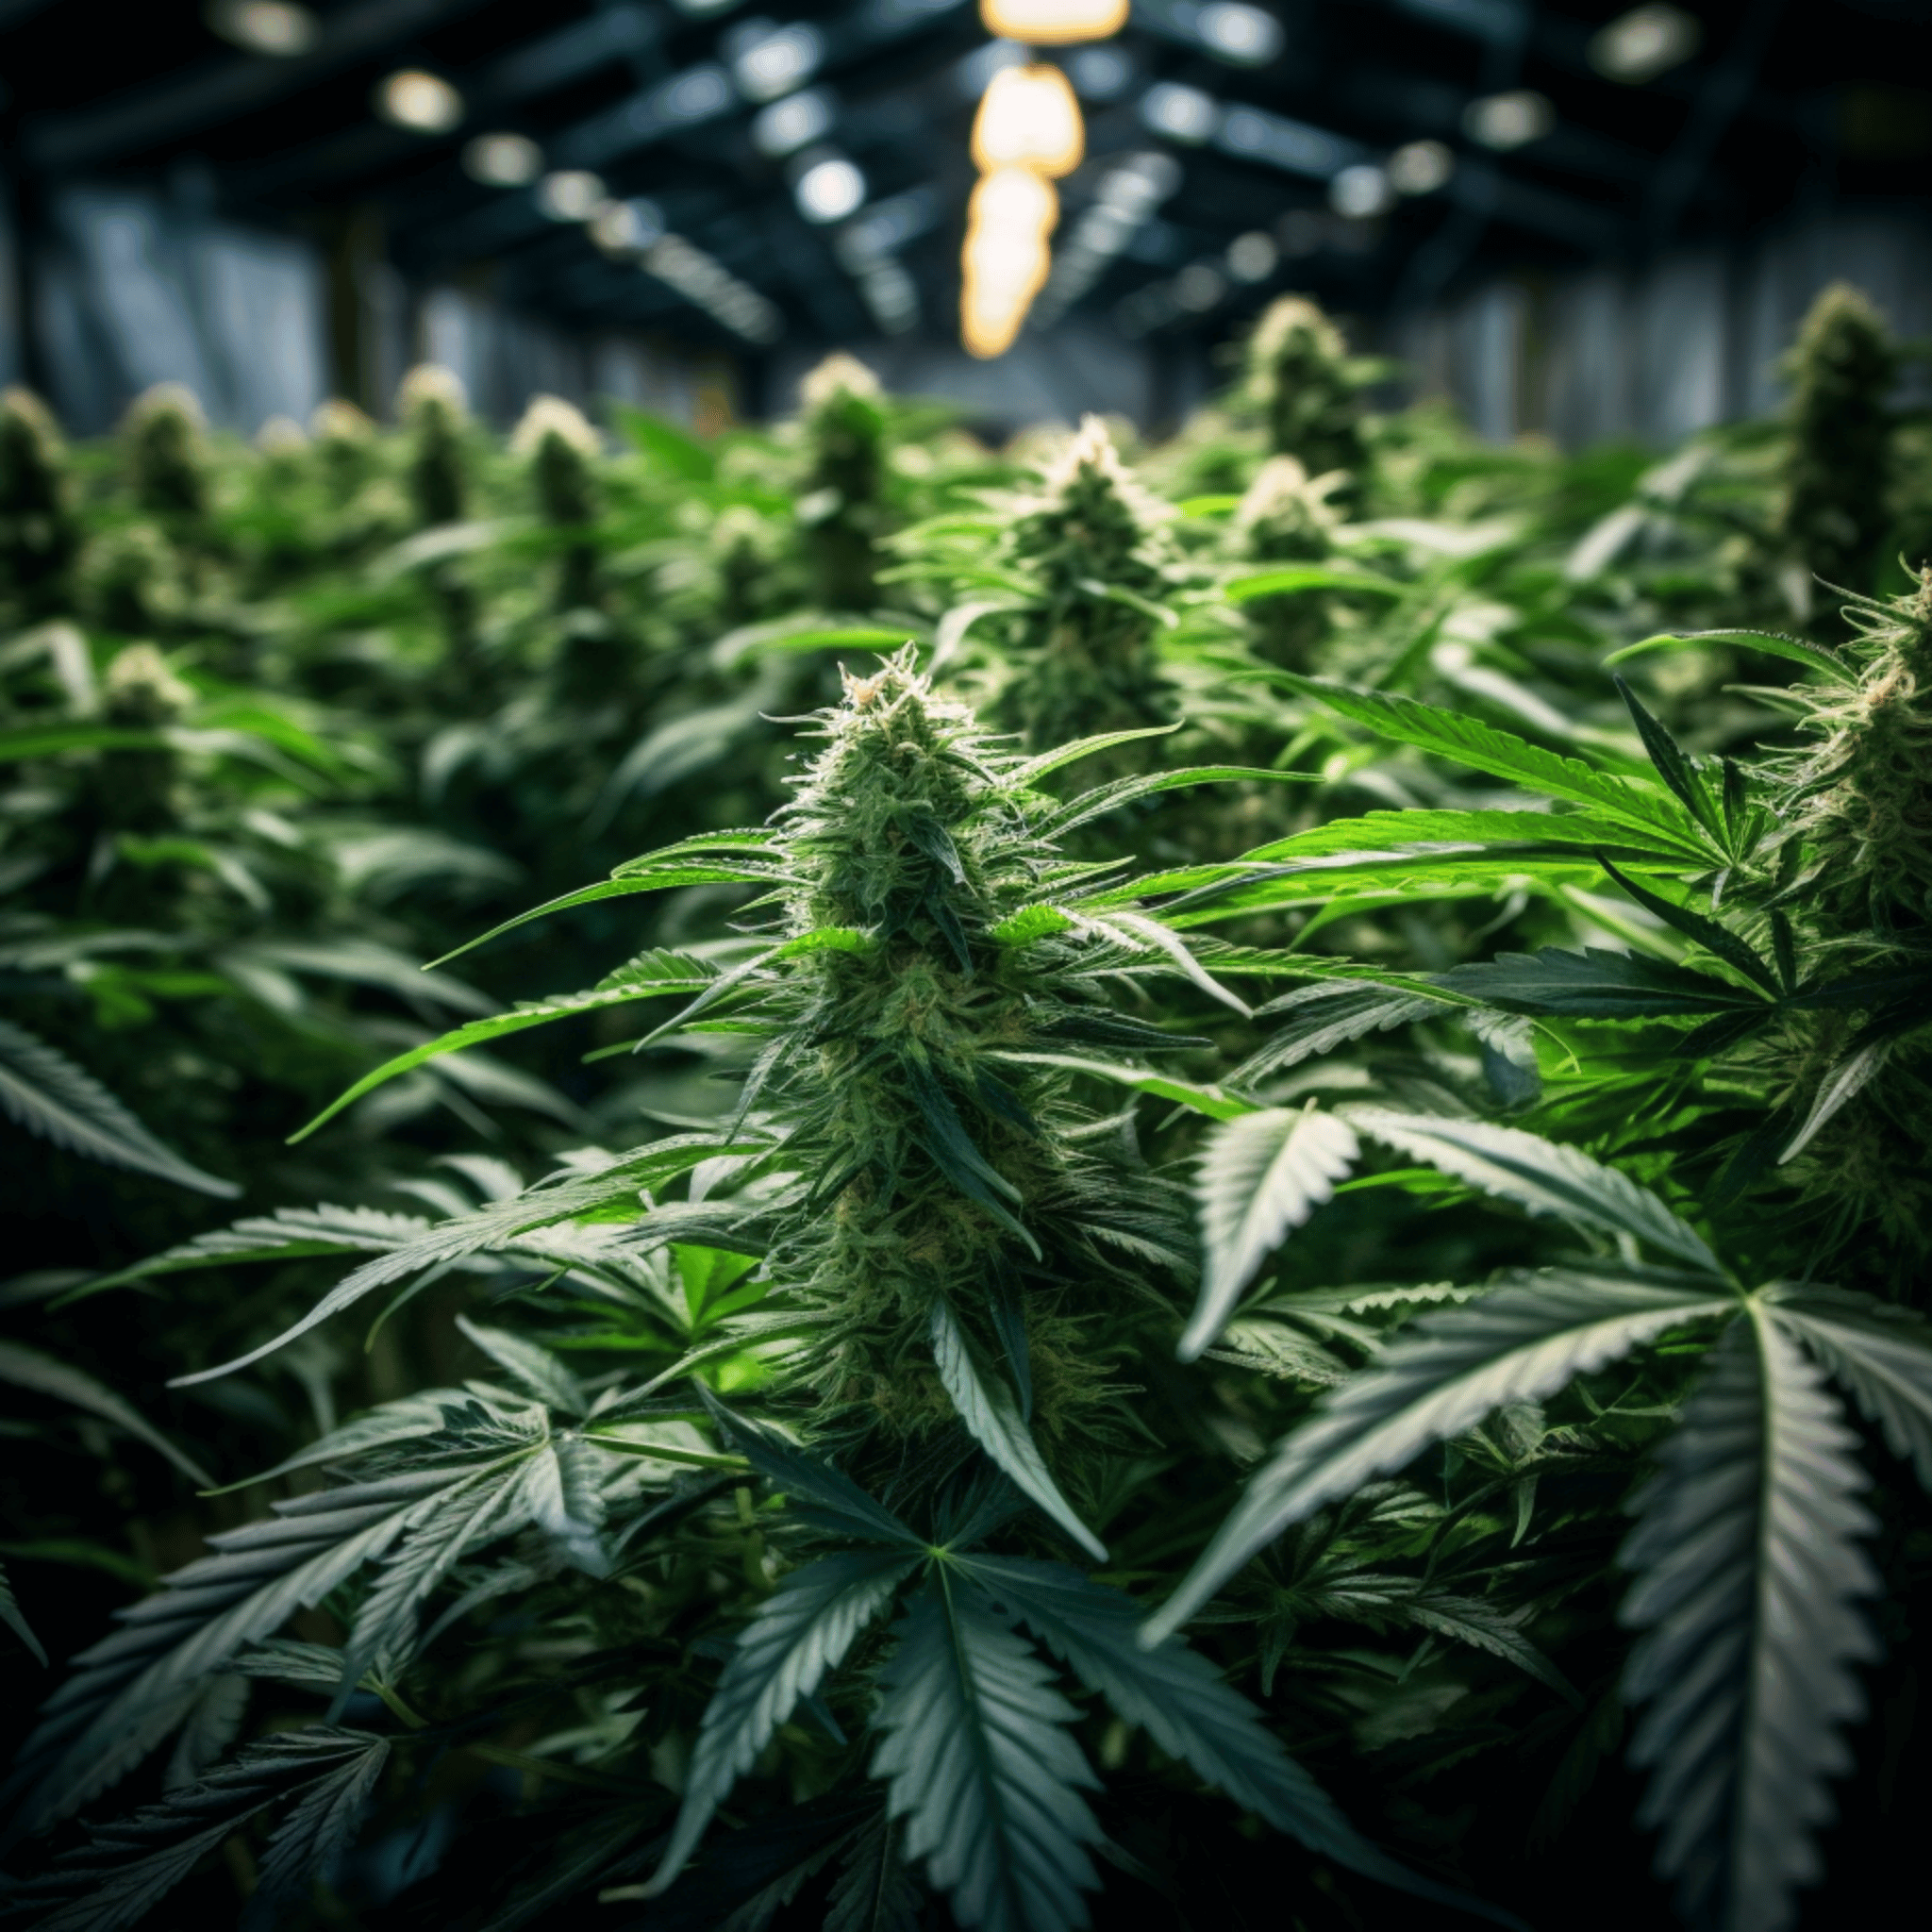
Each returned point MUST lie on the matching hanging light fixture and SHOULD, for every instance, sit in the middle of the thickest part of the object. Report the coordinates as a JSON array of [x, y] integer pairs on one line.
[[1053, 23], [1006, 261], [1028, 118]]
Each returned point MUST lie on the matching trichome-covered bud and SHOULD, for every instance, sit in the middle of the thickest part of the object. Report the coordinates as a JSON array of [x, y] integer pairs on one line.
[[136, 786], [1841, 370], [164, 450], [557, 441], [38, 534], [138, 690], [130, 579], [344, 440], [435, 414], [1285, 517], [842, 425], [1297, 377], [949, 1171], [1099, 549], [1862, 798]]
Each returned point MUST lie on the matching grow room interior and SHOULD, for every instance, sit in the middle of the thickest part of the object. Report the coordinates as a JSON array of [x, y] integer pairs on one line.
[[964, 964]]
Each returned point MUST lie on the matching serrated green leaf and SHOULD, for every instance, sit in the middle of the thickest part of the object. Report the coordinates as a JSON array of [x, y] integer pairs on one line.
[[996, 1814], [47, 1094], [11, 1615], [1260, 1175], [799, 1634], [29, 1367], [1544, 1176], [1182, 1703], [1882, 1354], [1747, 1568], [1793, 650], [1440, 1375], [692, 978], [1597, 984], [1467, 741], [987, 1405]]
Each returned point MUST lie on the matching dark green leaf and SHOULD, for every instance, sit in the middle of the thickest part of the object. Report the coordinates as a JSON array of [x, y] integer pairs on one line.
[[1747, 1566]]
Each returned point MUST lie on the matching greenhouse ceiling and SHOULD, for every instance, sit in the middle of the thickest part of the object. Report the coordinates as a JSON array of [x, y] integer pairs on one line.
[[717, 170]]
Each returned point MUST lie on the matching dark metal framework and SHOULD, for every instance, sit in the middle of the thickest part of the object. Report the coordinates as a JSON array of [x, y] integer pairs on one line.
[[1786, 100]]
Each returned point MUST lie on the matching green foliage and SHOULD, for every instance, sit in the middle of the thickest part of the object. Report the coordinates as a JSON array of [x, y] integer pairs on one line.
[[745, 1460]]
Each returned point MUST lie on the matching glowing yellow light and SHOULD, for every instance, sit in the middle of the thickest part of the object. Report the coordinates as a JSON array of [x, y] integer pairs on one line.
[[1014, 200], [1053, 23], [1006, 261], [1028, 118]]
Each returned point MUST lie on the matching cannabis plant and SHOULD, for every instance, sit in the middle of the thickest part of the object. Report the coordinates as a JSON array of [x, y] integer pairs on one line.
[[1836, 512], [1298, 377], [842, 427], [38, 532], [920, 1265], [1734, 1114]]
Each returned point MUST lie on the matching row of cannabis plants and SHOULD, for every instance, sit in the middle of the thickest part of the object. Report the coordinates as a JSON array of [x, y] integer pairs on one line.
[[1235, 1211]]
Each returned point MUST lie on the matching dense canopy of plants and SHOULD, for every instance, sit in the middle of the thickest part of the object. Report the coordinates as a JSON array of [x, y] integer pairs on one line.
[[1230, 1225]]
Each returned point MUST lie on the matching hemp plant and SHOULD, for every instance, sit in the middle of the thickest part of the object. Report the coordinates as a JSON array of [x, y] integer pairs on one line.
[[1299, 379], [1730, 1117], [38, 529], [1835, 514], [842, 426], [926, 1262]]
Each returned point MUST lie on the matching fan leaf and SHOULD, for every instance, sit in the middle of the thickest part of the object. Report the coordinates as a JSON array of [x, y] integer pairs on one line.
[[1747, 1568], [991, 1414], [800, 1633], [1438, 1377], [977, 1760], [1259, 1176]]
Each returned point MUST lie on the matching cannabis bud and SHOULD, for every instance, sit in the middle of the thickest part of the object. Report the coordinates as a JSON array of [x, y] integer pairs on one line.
[[1863, 797], [164, 447], [37, 535], [345, 441], [140, 692], [557, 441], [435, 414], [130, 579], [946, 1157], [1838, 463], [1298, 378], [1098, 546], [842, 425], [1287, 517]]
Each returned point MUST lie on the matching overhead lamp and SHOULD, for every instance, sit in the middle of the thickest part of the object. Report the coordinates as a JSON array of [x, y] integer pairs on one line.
[[1508, 121], [777, 63], [1181, 113], [1243, 35], [1361, 192], [830, 189], [1028, 118], [786, 125], [1054, 23], [1006, 261], [424, 103], [627, 227], [1015, 199], [503, 160], [571, 194], [1421, 167], [1646, 42], [265, 27]]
